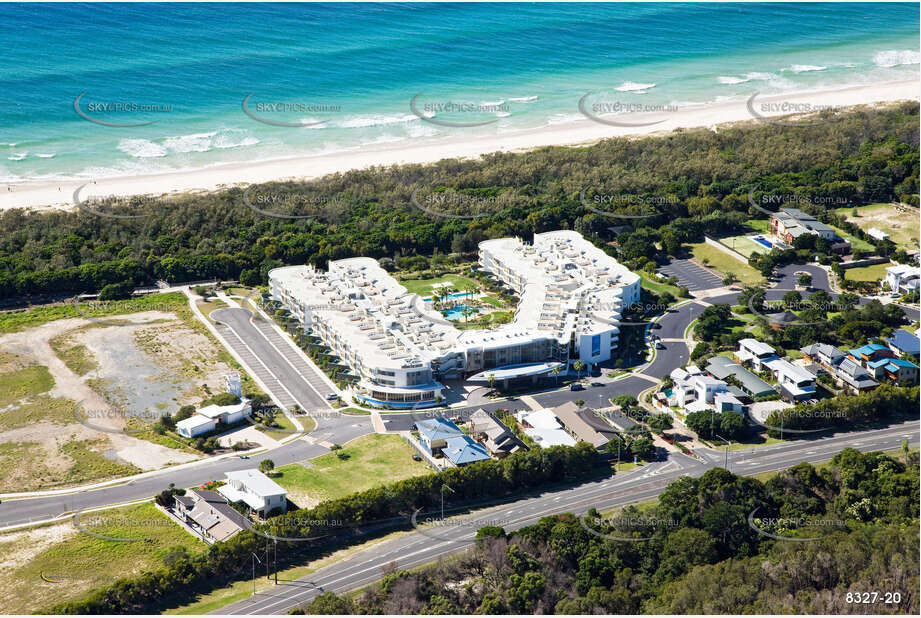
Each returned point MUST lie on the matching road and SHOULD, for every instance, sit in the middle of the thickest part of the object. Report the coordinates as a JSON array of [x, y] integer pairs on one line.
[[421, 547]]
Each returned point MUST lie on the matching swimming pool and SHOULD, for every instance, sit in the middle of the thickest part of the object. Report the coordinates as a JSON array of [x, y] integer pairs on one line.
[[764, 242], [452, 296], [457, 312]]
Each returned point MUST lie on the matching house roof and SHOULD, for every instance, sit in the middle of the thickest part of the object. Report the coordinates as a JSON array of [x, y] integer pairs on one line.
[[499, 438], [852, 373], [194, 422], [550, 437], [569, 414], [785, 367], [824, 349], [722, 367], [901, 363], [867, 349], [437, 429], [213, 513], [905, 342], [214, 410], [463, 450], [540, 419], [256, 482], [758, 347]]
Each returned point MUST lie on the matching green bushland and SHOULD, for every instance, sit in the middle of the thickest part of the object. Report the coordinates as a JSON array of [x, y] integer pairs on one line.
[[699, 179], [696, 550]]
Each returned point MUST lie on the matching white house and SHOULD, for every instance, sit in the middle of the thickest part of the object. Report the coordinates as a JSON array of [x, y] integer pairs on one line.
[[545, 428], [795, 382], [227, 415], [903, 278], [256, 490], [755, 352], [696, 391], [195, 425]]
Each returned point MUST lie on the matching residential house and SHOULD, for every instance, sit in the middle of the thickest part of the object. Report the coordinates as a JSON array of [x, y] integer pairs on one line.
[[463, 450], [209, 513], [904, 342], [795, 382], [895, 370], [869, 353], [544, 427], [214, 417], [828, 356], [572, 418], [498, 439], [698, 391], [260, 493], [903, 278], [755, 352], [788, 224], [853, 376], [722, 367], [435, 432]]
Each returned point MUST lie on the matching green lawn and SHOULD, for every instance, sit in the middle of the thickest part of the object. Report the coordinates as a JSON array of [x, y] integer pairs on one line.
[[651, 283], [902, 225], [76, 562], [726, 263], [867, 273], [744, 245], [856, 243], [423, 287], [759, 225], [369, 461]]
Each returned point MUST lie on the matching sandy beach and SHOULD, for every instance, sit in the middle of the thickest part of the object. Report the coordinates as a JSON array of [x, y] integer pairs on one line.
[[60, 194]]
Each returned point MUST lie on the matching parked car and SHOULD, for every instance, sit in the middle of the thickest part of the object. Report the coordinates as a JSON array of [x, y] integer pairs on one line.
[[576, 387], [416, 457], [660, 345], [597, 384], [332, 396]]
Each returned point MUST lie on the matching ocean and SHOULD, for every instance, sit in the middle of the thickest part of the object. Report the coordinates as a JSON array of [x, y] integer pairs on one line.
[[101, 90]]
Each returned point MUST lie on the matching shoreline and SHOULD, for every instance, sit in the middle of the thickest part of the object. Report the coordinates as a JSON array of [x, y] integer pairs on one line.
[[59, 195]]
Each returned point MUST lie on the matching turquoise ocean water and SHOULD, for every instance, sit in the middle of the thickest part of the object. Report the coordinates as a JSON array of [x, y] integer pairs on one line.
[[349, 72]]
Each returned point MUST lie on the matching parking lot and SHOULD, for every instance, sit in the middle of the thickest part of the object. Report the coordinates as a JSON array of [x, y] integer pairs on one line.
[[690, 275]]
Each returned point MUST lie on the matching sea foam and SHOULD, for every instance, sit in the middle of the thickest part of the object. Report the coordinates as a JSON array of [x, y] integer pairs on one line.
[[894, 57]]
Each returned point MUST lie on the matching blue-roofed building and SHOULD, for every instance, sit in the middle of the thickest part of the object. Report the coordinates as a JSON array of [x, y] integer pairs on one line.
[[463, 450], [904, 342], [435, 432], [895, 370], [870, 352]]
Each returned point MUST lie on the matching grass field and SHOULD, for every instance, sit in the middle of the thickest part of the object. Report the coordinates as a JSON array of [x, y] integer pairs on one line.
[[77, 357], [75, 562], [423, 287], [901, 225], [744, 245], [726, 263], [856, 243], [867, 273], [20, 319], [25, 382], [368, 461], [759, 225]]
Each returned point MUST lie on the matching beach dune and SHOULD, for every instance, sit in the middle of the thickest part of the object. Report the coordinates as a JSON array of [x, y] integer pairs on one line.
[[60, 194]]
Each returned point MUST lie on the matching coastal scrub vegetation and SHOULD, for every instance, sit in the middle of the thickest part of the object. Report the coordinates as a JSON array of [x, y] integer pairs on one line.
[[798, 543], [689, 183]]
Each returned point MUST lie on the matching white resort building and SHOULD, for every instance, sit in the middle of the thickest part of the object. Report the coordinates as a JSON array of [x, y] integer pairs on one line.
[[572, 295]]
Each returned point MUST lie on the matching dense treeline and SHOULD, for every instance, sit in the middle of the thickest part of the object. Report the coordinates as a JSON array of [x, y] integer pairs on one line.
[[691, 182], [347, 519], [718, 544], [879, 404]]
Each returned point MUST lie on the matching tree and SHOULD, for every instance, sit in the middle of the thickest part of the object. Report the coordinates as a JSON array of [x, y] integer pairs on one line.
[[117, 291], [330, 603], [556, 371], [729, 279], [266, 465], [579, 365], [805, 280], [661, 421]]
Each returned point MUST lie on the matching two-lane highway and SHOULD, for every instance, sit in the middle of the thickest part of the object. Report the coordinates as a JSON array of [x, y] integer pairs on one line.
[[416, 548]]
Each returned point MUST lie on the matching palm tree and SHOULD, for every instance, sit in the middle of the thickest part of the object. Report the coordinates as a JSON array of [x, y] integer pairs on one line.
[[555, 372], [491, 380], [579, 365], [467, 312]]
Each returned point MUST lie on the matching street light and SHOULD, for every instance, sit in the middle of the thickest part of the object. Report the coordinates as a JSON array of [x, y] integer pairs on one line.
[[254, 561], [443, 499], [727, 449]]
